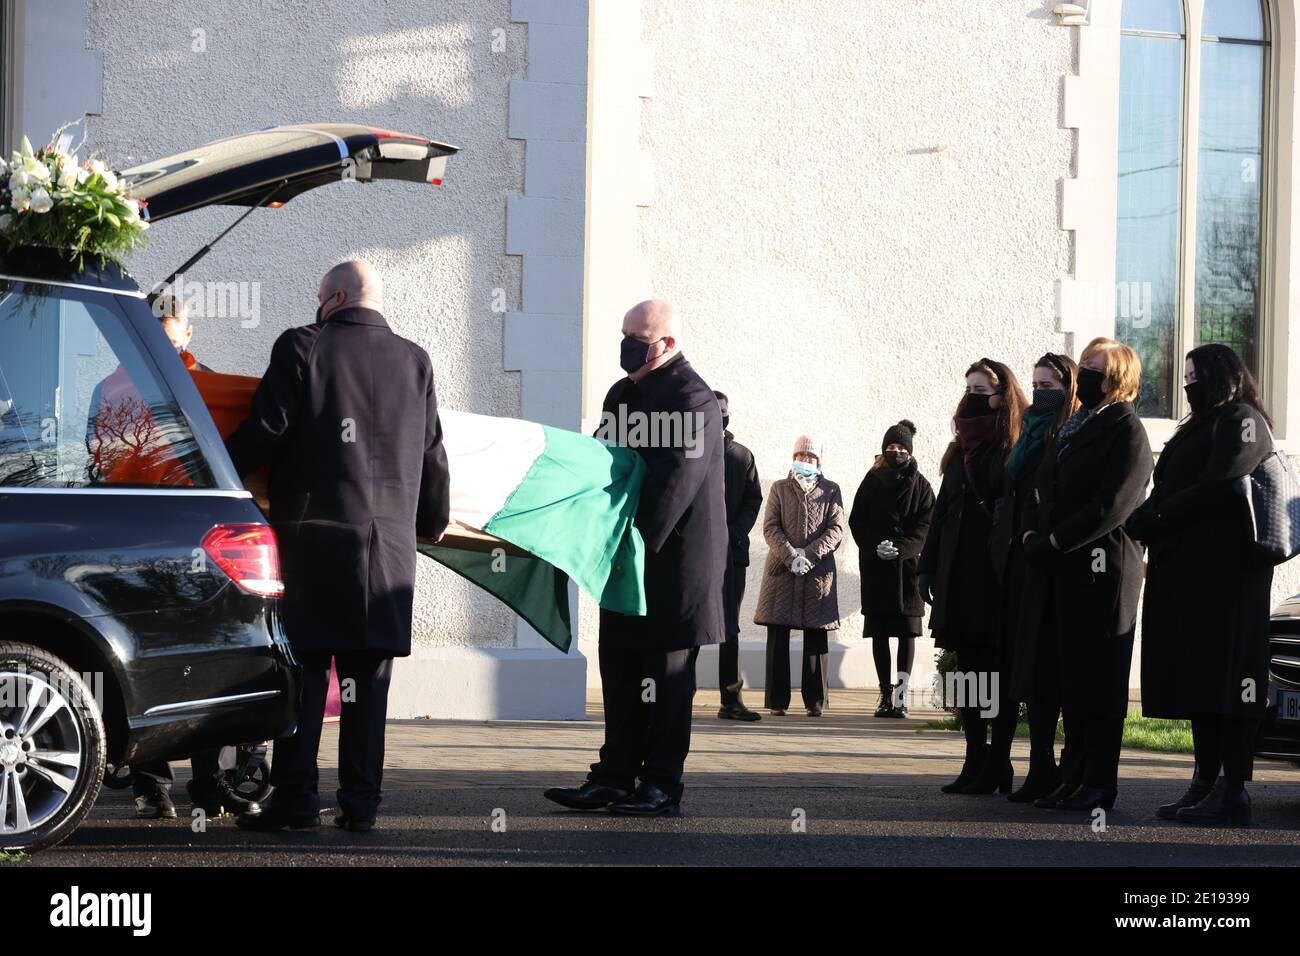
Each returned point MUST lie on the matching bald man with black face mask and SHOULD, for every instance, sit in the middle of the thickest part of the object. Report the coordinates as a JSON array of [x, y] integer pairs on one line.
[[647, 664], [347, 418]]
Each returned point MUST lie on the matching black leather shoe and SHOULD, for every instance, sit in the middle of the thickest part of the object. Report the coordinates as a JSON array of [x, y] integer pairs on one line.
[[271, 820], [738, 712], [353, 825], [1050, 801], [1223, 806], [590, 796], [814, 711], [159, 806], [1197, 792], [647, 801], [218, 802], [1038, 783], [1087, 798]]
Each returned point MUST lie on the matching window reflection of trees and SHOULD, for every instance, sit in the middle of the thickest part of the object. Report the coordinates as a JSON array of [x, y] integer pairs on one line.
[[1226, 247], [80, 405]]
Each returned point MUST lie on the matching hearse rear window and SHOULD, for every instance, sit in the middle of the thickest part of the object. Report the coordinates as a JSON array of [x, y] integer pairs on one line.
[[80, 404]]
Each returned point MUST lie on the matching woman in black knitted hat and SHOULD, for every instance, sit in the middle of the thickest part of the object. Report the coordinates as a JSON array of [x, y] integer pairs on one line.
[[889, 521]]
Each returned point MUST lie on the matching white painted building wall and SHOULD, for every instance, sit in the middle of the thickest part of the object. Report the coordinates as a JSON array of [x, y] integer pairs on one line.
[[847, 220], [847, 202], [850, 203]]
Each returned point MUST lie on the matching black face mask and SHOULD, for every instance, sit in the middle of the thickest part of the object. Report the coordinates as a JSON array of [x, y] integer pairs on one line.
[[1196, 396], [1047, 399], [1090, 390], [897, 459], [974, 406], [634, 353]]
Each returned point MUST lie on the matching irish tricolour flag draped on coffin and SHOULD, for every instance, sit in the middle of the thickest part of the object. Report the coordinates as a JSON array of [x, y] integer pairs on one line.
[[531, 507], [565, 500]]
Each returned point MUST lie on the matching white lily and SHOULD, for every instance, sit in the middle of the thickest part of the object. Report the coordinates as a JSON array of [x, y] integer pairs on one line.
[[36, 169], [6, 221], [41, 200], [21, 179], [110, 179], [67, 177], [20, 199]]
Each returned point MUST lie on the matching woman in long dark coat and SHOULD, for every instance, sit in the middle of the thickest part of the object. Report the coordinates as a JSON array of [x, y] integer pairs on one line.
[[1027, 668], [1205, 619], [1086, 489], [889, 521], [956, 571]]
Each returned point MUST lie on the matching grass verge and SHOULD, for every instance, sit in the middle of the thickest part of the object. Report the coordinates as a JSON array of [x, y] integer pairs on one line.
[[1140, 733]]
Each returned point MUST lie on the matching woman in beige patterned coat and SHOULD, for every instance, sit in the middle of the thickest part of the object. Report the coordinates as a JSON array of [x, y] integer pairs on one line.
[[803, 526]]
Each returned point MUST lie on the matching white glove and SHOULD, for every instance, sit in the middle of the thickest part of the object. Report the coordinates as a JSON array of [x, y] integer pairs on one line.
[[801, 565], [886, 551]]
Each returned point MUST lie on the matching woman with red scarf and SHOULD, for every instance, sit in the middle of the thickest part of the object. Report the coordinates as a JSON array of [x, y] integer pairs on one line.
[[957, 576]]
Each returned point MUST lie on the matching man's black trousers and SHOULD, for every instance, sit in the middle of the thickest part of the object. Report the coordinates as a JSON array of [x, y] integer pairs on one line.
[[647, 697], [363, 683]]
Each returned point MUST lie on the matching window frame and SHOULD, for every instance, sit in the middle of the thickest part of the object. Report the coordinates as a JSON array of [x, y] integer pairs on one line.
[[9, 73], [1271, 379]]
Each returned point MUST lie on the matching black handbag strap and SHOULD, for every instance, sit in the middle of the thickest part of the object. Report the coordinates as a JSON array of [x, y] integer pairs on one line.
[[974, 489]]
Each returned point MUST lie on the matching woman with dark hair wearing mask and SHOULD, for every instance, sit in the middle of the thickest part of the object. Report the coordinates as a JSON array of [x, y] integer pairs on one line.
[[889, 521], [956, 572], [1028, 663], [1091, 570], [1205, 621]]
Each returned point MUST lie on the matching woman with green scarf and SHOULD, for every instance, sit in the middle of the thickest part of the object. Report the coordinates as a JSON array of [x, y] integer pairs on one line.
[[1026, 666]]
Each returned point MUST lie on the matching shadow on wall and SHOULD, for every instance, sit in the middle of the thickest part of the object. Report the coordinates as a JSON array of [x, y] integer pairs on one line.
[[440, 250], [407, 65]]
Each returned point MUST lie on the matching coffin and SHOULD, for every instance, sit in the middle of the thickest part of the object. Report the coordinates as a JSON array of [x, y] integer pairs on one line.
[[532, 508]]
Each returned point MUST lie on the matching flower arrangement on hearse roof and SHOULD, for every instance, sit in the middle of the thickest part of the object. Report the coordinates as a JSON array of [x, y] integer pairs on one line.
[[48, 197]]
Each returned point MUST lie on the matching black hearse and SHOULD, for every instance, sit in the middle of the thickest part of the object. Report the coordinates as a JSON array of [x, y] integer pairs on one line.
[[139, 581]]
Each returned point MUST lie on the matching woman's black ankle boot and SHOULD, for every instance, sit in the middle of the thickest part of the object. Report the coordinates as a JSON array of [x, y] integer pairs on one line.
[[1196, 792], [995, 774]]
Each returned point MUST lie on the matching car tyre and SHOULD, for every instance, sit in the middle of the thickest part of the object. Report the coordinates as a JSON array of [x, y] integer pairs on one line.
[[52, 749]]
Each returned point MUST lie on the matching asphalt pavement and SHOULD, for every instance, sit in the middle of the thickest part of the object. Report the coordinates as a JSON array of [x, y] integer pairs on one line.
[[845, 789]]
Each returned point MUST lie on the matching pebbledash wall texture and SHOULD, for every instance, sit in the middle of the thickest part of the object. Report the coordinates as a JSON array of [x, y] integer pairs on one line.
[[848, 203], [178, 75]]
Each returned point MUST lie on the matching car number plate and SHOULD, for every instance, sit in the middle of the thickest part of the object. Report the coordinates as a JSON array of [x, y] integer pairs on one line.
[[1288, 705]]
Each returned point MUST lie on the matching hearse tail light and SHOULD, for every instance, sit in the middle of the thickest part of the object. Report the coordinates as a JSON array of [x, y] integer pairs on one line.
[[250, 556]]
